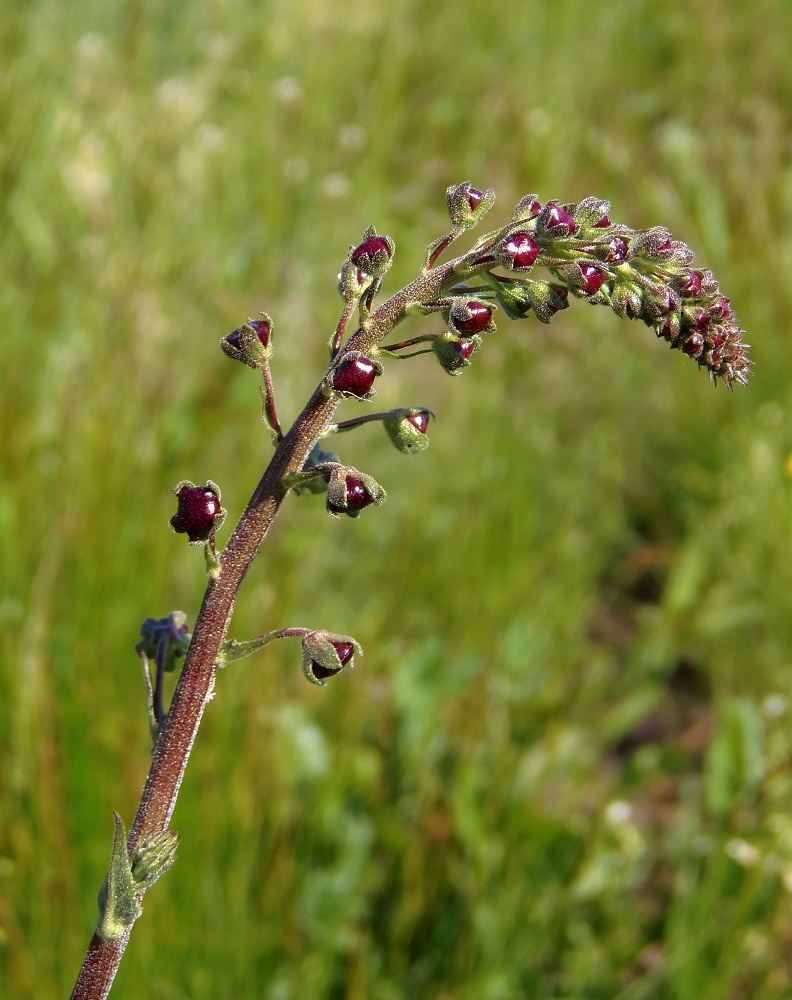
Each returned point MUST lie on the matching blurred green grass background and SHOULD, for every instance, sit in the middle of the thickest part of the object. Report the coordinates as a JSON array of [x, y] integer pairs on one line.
[[562, 769]]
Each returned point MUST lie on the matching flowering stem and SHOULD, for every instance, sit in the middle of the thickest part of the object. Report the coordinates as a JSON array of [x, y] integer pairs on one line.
[[195, 686], [687, 310], [269, 402], [347, 425], [409, 343], [343, 323]]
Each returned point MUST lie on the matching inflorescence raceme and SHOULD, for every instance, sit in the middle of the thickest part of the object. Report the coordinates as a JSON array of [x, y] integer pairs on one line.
[[640, 273]]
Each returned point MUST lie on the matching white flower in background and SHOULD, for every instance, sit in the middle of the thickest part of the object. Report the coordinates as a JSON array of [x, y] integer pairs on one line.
[[181, 98], [288, 90], [85, 174], [743, 853], [352, 137], [336, 185]]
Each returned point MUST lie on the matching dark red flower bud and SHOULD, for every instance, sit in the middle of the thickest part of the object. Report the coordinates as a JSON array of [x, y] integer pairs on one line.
[[467, 205], [721, 309], [250, 343], [527, 208], [697, 319], [345, 652], [464, 348], [261, 327], [692, 284], [372, 256], [199, 512], [356, 497], [518, 252], [603, 223], [355, 376], [406, 427], [618, 250], [420, 421], [694, 345], [717, 339], [478, 319], [593, 278], [368, 248], [474, 198], [559, 220]]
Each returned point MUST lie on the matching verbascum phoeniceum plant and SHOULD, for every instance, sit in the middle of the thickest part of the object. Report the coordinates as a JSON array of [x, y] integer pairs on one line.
[[641, 274]]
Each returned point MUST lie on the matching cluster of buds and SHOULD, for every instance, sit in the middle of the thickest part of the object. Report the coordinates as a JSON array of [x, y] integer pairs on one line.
[[641, 274]]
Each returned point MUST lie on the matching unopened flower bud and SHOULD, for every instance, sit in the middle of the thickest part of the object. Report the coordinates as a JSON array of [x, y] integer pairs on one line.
[[517, 252], [660, 300], [350, 491], [352, 282], [721, 309], [407, 429], [469, 316], [374, 254], [693, 345], [556, 221], [527, 208], [593, 278], [653, 243], [618, 250], [690, 285], [325, 654], [626, 300], [199, 512], [453, 352], [592, 212], [250, 343], [355, 375], [467, 205]]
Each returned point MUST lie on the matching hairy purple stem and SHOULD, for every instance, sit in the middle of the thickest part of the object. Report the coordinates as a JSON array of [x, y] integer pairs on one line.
[[196, 682]]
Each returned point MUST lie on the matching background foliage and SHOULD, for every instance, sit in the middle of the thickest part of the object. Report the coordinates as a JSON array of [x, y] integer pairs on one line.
[[562, 768]]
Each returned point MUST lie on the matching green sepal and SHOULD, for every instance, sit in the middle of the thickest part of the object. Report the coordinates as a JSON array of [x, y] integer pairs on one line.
[[545, 298], [352, 282], [155, 855], [627, 299], [119, 905], [590, 211], [312, 477], [232, 650], [403, 433], [309, 481], [460, 211], [446, 348], [527, 208]]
